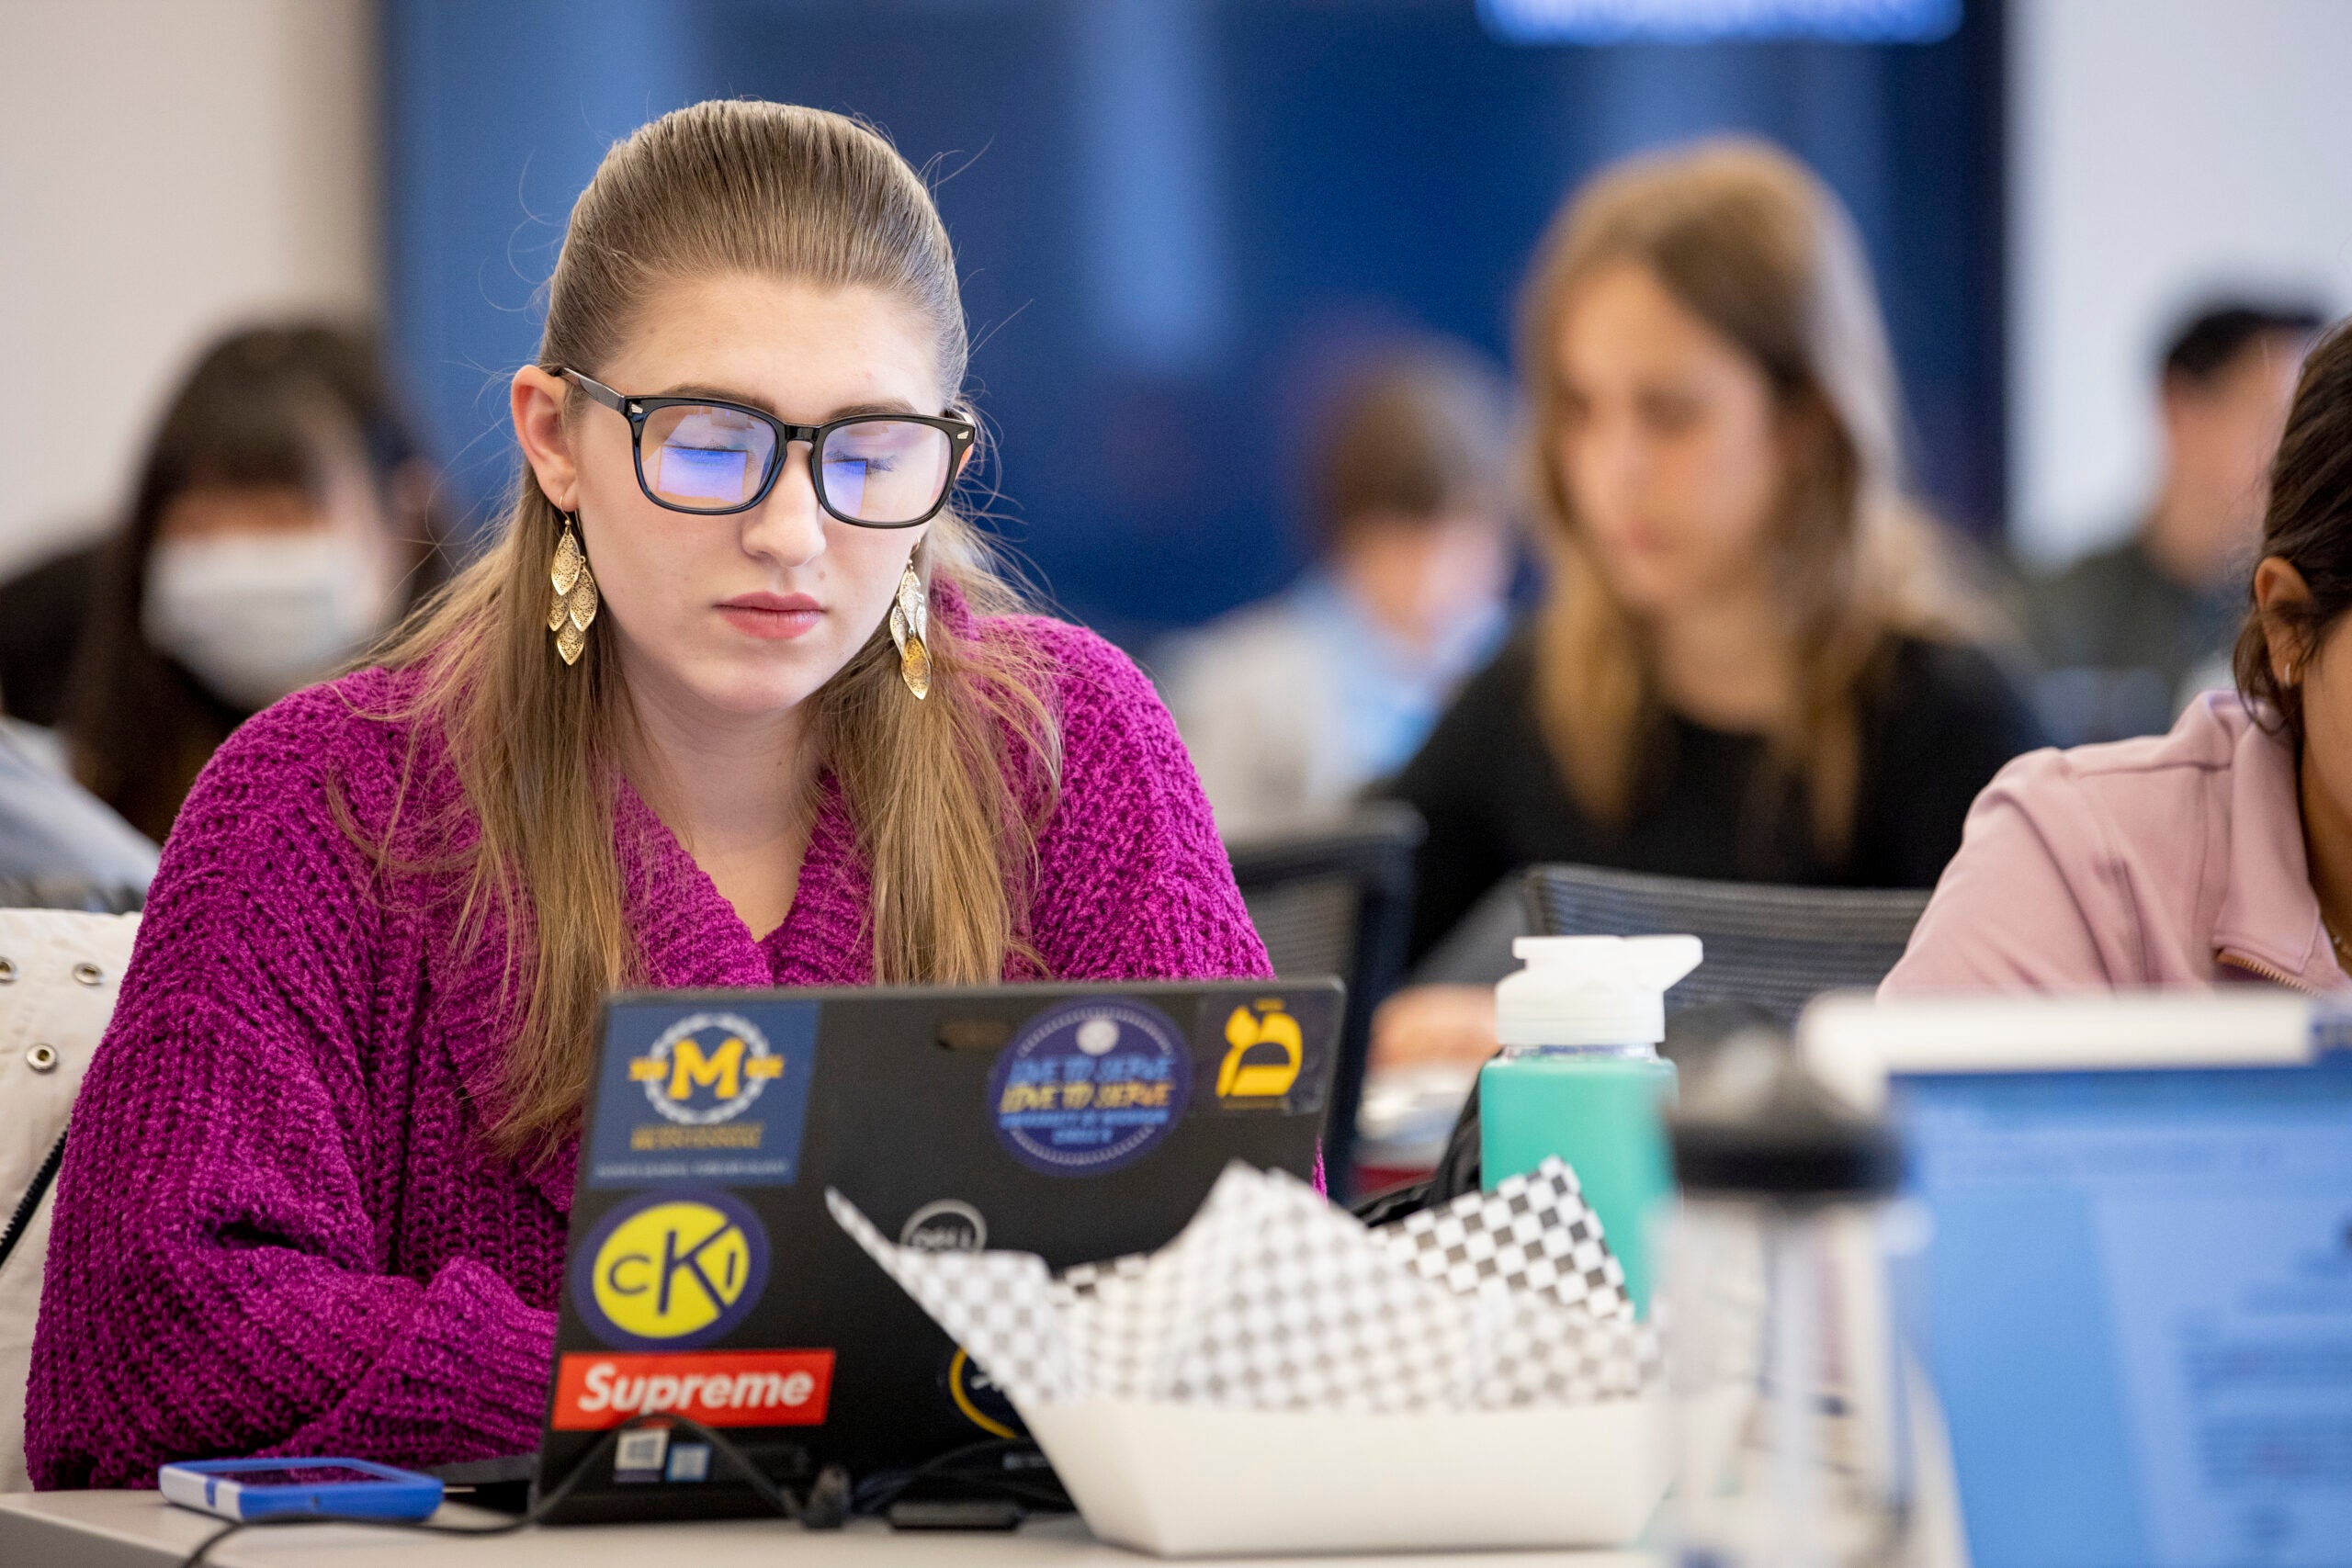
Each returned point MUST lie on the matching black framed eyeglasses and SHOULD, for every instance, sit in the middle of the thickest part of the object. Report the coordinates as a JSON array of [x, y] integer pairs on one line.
[[711, 458]]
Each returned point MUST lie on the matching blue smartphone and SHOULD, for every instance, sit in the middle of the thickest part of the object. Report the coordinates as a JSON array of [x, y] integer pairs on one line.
[[279, 1488]]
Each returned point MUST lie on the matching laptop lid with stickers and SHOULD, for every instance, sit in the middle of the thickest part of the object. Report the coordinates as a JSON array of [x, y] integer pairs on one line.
[[1080, 1123]]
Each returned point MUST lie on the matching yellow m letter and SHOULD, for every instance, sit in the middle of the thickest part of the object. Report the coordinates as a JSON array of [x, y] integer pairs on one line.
[[689, 1067]]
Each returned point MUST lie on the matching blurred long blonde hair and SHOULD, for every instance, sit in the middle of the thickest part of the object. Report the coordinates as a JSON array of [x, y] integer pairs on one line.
[[946, 793], [1747, 239]]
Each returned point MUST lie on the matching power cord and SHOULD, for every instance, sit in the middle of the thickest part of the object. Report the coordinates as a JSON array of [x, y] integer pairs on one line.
[[767, 1490], [967, 1468]]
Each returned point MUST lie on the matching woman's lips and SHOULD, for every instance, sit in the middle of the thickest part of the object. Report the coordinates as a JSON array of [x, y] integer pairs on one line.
[[773, 617]]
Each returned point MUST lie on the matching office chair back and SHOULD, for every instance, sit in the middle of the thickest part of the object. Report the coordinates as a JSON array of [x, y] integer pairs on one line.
[[1772, 949], [1337, 901], [1768, 952]]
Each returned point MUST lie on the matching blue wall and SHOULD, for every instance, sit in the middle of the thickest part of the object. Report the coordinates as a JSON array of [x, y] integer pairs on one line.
[[1174, 216]]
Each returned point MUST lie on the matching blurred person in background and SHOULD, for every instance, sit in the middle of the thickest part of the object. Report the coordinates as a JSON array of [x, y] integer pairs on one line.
[[1291, 706], [42, 611], [1752, 663], [59, 847], [282, 521], [2125, 635]]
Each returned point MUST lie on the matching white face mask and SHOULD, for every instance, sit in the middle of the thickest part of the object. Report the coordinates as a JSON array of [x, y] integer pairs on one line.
[[257, 615]]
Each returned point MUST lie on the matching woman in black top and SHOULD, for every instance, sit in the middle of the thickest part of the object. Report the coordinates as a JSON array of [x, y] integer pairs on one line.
[[1749, 665], [1936, 725]]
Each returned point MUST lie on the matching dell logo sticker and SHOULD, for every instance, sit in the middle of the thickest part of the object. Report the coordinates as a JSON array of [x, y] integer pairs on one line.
[[949, 1226]]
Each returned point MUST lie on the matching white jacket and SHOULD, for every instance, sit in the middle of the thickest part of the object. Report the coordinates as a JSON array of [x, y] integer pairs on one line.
[[59, 972]]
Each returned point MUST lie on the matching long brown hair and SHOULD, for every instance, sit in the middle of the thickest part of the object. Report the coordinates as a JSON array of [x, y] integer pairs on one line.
[[262, 409], [945, 794], [1747, 239]]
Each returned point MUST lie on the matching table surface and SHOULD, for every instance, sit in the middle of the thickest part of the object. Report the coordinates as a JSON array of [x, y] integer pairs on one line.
[[139, 1529]]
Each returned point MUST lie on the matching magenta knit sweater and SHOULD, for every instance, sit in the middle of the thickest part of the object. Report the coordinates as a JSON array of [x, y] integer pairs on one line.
[[280, 1229]]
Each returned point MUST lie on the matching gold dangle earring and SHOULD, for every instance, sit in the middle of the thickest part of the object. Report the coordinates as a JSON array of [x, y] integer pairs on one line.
[[910, 621], [574, 604]]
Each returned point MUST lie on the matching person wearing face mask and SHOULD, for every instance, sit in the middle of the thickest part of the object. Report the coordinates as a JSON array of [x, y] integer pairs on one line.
[[1410, 492], [733, 697], [1750, 664], [282, 521]]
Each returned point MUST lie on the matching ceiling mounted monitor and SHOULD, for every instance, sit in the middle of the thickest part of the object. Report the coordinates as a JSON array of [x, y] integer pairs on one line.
[[1711, 21]]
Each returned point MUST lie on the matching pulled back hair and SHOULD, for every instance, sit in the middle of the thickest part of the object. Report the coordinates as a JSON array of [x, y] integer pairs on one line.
[[267, 407], [1746, 239], [2309, 526], [945, 794]]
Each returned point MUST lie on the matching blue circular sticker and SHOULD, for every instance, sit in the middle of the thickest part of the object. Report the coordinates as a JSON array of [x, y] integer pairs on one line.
[[1090, 1087]]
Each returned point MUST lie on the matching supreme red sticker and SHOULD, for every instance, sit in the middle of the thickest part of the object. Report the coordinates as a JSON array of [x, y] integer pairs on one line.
[[718, 1388]]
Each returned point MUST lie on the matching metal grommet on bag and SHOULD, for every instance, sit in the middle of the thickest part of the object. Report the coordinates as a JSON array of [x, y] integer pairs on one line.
[[7, 971], [41, 1058], [88, 973]]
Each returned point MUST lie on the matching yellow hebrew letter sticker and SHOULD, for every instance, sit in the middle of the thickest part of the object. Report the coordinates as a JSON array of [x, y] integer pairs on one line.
[[1262, 1079]]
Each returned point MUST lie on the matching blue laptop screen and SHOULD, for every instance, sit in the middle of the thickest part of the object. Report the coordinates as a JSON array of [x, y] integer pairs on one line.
[[2139, 1312]]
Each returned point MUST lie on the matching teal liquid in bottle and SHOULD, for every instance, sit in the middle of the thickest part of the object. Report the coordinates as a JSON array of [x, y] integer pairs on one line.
[[1580, 1077], [1600, 1109]]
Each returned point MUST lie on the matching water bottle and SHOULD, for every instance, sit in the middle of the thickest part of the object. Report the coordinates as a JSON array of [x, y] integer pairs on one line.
[[1791, 1385], [1579, 1076]]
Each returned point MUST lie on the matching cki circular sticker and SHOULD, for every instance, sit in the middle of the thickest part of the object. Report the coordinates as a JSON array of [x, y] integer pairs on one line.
[[1090, 1087], [671, 1271]]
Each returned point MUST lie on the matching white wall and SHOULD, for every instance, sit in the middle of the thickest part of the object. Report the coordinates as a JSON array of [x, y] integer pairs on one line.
[[2156, 147], [167, 167]]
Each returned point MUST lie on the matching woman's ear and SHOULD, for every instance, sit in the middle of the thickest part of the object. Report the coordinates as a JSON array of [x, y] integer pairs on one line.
[[1799, 422], [538, 400], [2279, 592], [1803, 432]]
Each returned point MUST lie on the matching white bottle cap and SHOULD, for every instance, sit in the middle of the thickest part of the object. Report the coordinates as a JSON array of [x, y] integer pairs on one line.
[[1591, 990]]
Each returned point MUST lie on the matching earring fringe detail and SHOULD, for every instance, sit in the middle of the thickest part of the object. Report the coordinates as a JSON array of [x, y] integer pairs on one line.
[[910, 621], [573, 607]]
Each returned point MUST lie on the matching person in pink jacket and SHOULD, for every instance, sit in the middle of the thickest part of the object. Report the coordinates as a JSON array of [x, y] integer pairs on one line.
[[2220, 852]]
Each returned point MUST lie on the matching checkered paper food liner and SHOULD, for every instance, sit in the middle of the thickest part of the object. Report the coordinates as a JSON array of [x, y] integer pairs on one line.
[[1270, 1299]]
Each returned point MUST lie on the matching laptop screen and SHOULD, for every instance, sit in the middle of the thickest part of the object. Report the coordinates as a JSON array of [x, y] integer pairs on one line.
[[2138, 1311]]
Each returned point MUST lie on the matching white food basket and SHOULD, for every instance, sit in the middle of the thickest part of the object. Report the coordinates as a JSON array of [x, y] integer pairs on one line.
[[1199, 1481]]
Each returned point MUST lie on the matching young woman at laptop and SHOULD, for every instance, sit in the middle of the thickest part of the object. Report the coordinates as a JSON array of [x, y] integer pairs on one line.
[[2221, 852], [1753, 662], [735, 698]]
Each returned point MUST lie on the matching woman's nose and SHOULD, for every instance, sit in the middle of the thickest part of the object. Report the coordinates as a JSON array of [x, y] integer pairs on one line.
[[1618, 457], [788, 525]]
